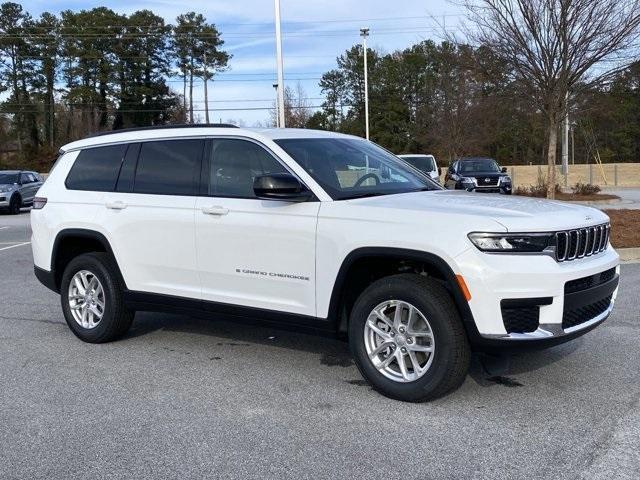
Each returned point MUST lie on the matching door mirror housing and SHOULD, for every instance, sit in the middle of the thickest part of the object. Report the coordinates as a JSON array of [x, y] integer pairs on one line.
[[503, 169], [280, 186]]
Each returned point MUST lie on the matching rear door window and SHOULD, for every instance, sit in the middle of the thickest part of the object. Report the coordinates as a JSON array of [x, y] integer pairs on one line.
[[96, 169], [169, 167]]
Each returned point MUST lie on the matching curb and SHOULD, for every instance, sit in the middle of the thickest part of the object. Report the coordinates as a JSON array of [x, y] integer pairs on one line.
[[595, 203], [629, 255]]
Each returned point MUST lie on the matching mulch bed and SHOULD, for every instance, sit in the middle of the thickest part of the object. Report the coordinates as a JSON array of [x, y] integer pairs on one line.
[[625, 228], [572, 197]]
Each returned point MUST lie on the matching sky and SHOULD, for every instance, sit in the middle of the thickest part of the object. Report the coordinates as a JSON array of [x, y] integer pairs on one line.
[[315, 32]]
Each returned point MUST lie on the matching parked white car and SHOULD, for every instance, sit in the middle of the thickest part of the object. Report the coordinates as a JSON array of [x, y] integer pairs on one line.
[[425, 163], [322, 231]]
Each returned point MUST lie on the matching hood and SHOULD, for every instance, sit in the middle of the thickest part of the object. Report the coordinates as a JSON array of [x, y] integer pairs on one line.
[[516, 214], [485, 174]]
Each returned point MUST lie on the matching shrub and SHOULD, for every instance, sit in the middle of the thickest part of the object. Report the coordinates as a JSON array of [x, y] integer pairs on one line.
[[538, 190], [585, 189]]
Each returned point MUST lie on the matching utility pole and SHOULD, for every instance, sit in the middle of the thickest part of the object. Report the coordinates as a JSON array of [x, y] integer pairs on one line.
[[280, 109], [573, 144], [275, 85], [206, 93], [364, 33]]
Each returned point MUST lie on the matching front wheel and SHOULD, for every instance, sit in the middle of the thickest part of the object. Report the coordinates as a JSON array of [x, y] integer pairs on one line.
[[91, 296], [14, 205], [407, 338]]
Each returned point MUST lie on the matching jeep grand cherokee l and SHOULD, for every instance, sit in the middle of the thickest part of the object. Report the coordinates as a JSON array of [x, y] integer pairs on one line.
[[318, 230]]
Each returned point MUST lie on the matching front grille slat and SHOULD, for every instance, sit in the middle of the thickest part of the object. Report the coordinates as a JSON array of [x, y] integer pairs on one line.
[[581, 242]]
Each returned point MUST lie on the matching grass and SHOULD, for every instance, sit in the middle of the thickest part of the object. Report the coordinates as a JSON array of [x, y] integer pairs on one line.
[[625, 228]]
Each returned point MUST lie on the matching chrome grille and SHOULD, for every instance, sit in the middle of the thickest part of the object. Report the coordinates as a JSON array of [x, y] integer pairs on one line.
[[581, 242]]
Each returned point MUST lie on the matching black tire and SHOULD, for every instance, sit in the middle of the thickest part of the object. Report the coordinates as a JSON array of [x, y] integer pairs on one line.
[[14, 205], [117, 318], [451, 358]]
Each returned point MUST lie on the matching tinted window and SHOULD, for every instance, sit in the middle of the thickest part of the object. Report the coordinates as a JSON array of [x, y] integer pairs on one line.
[[8, 178], [128, 170], [96, 169], [479, 165], [351, 168], [424, 164], [234, 166], [25, 178], [168, 167]]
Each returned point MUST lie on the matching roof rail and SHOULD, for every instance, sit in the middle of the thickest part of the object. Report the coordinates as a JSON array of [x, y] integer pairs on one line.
[[165, 127]]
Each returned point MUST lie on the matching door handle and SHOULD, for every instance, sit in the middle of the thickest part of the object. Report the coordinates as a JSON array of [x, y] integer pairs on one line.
[[117, 205], [215, 210]]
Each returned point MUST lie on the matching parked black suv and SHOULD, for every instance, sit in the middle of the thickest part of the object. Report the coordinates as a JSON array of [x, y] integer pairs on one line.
[[478, 174]]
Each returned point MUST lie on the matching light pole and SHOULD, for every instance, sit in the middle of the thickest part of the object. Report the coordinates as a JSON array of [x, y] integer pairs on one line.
[[364, 33], [280, 67], [275, 86]]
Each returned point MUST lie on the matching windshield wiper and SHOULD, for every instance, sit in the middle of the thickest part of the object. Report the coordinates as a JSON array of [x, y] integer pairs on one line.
[[365, 195]]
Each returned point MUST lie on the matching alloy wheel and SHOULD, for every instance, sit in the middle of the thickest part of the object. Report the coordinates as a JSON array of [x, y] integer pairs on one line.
[[86, 299], [399, 341]]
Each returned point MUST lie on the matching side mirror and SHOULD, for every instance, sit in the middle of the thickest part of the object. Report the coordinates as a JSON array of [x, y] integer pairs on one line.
[[280, 186], [503, 169]]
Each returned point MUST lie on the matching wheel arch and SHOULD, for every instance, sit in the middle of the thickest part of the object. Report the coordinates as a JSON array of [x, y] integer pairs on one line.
[[71, 242], [435, 266]]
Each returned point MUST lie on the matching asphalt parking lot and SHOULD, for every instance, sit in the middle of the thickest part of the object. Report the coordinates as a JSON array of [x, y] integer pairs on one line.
[[187, 398]]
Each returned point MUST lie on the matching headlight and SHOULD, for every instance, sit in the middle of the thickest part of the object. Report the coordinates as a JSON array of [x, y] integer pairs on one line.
[[512, 242], [4, 189], [505, 179], [468, 180]]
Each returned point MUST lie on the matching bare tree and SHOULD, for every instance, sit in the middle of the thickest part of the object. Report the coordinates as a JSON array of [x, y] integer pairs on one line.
[[297, 109], [556, 47]]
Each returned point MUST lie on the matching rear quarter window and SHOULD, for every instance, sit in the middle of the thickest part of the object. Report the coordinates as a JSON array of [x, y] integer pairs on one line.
[[96, 169]]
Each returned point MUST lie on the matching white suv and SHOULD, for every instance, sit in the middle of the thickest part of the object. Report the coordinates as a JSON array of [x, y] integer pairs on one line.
[[318, 230]]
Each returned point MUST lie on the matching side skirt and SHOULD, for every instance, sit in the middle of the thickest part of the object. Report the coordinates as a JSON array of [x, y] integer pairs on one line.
[[152, 302]]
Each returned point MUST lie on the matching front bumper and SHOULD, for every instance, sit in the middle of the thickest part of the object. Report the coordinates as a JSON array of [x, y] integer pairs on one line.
[[493, 279]]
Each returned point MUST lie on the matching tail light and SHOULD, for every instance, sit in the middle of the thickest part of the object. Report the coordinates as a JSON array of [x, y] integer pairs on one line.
[[39, 203]]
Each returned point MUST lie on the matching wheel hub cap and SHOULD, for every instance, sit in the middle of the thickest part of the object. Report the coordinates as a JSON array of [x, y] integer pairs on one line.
[[86, 299], [399, 341]]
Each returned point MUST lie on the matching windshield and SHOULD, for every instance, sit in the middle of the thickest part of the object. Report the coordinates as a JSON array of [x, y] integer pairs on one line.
[[484, 165], [424, 164], [351, 168], [8, 178]]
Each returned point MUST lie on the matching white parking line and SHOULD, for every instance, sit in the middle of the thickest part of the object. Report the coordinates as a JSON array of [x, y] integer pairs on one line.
[[2, 228], [14, 246]]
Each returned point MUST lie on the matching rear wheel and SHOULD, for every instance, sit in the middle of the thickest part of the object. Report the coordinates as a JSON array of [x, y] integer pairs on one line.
[[407, 338], [92, 300]]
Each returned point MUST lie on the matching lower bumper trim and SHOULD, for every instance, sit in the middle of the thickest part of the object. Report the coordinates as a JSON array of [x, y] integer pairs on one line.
[[552, 330]]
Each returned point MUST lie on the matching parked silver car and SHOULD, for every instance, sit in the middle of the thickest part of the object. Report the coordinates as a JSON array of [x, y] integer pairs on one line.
[[17, 189]]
